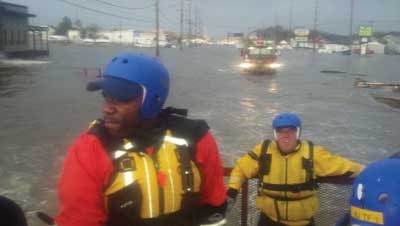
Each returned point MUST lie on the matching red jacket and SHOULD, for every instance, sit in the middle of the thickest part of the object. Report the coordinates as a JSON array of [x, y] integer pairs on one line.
[[87, 170]]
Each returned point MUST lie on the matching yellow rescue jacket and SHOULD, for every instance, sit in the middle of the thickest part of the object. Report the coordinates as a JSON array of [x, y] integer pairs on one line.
[[288, 183], [162, 179]]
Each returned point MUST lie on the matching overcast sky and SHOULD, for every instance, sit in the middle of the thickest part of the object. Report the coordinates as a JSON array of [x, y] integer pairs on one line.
[[222, 16]]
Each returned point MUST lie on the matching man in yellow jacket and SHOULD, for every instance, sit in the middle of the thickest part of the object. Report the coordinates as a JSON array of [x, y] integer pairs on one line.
[[288, 170]]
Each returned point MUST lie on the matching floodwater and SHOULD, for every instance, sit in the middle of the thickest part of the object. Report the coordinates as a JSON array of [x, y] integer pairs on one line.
[[44, 106]]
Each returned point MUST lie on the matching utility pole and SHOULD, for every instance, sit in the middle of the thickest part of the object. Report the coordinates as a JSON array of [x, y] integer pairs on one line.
[[181, 31], [275, 30], [195, 24], [190, 22], [200, 27], [157, 27], [351, 24], [120, 33], [315, 24], [290, 15]]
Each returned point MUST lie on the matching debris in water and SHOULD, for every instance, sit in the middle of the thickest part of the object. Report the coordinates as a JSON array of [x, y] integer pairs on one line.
[[358, 74], [333, 72], [360, 83], [393, 102]]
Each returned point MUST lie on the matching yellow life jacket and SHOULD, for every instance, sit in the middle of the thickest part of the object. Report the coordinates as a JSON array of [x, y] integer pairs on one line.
[[287, 184], [162, 179]]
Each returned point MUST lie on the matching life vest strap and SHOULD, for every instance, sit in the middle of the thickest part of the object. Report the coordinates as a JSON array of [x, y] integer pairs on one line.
[[186, 169], [264, 160], [253, 155], [289, 199], [309, 185]]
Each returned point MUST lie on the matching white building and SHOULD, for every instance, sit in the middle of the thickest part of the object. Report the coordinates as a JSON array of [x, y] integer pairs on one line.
[[74, 35], [333, 48], [377, 47], [147, 39], [118, 36]]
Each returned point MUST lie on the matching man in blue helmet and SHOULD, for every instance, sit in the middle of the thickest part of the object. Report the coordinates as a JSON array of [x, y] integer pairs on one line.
[[288, 170], [375, 198], [141, 164]]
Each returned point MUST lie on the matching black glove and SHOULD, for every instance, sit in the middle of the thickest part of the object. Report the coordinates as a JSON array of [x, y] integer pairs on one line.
[[231, 198]]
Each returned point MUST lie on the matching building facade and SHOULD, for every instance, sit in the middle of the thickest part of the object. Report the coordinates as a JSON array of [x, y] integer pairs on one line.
[[16, 36], [118, 36]]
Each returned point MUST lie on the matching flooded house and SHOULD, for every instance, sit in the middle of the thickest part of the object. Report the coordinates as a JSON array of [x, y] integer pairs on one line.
[[17, 37]]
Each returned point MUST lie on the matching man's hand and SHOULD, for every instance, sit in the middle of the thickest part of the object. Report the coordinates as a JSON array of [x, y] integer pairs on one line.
[[231, 198]]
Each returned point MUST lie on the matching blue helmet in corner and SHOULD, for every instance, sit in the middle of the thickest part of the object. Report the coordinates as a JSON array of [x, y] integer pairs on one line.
[[375, 198], [287, 120], [128, 75]]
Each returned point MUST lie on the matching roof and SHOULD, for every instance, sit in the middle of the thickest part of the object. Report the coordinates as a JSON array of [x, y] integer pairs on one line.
[[15, 9]]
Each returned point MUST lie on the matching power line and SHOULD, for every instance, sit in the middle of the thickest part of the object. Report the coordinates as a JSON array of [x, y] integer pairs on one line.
[[316, 7], [190, 21], [105, 13], [181, 26], [122, 11], [157, 11], [124, 7]]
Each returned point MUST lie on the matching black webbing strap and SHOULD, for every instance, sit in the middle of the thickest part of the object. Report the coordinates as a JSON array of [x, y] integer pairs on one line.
[[253, 155], [309, 185], [289, 199], [186, 169], [264, 161], [308, 164]]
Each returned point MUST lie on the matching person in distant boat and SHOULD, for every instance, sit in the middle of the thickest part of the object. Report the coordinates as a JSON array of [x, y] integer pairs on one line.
[[375, 198], [288, 170], [11, 213], [140, 164]]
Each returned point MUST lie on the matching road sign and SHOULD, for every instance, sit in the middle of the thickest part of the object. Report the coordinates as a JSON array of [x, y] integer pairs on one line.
[[365, 31], [301, 39]]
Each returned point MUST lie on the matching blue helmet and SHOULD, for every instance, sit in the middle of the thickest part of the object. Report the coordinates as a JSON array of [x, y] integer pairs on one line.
[[375, 198], [287, 120], [140, 70]]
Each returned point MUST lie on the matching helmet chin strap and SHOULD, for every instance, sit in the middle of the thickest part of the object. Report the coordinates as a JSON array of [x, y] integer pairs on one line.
[[298, 133], [144, 93]]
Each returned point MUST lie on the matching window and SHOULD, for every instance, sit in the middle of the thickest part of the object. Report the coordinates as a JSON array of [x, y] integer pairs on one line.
[[25, 38], [12, 39], [19, 37], [5, 38]]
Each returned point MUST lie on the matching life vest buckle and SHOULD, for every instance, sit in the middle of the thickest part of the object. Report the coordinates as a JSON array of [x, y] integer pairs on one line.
[[127, 164]]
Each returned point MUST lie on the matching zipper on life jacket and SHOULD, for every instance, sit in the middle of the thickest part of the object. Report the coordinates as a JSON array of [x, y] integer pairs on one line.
[[286, 182]]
